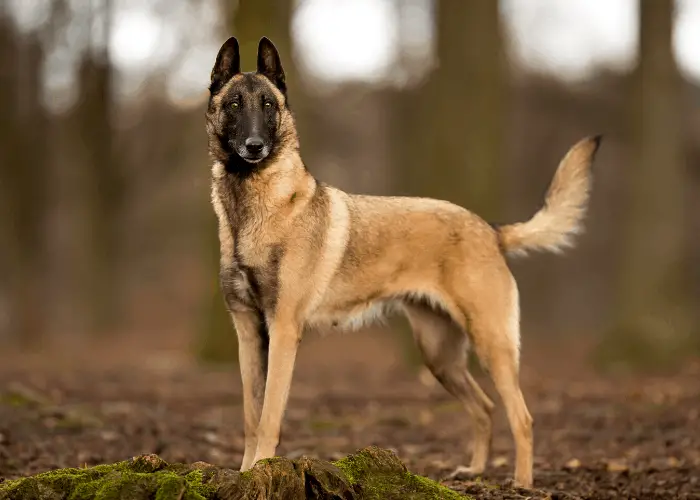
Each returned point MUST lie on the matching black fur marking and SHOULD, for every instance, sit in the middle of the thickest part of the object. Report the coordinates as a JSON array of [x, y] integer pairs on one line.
[[454, 237], [264, 337], [234, 287], [244, 115], [264, 282], [598, 139], [228, 64], [318, 205], [497, 228], [270, 65], [252, 117]]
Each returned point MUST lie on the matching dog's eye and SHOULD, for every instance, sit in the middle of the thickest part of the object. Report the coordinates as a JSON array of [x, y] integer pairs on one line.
[[268, 104], [234, 105]]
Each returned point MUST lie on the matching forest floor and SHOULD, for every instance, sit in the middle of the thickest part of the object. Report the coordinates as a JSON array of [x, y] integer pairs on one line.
[[595, 437]]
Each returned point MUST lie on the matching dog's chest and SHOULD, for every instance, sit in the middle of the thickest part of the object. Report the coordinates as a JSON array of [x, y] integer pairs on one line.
[[252, 287], [250, 257]]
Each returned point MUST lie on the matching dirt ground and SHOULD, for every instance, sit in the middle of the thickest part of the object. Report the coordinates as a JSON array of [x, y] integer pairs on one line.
[[595, 437]]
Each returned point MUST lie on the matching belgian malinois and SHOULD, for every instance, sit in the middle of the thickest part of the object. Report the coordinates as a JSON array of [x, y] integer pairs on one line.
[[297, 253]]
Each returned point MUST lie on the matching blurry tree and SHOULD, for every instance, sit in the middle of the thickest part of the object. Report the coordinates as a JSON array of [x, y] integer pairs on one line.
[[652, 310], [448, 133], [23, 177], [248, 21], [449, 138], [104, 183]]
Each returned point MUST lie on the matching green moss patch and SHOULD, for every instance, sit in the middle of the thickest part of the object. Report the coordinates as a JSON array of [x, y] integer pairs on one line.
[[379, 474], [371, 473]]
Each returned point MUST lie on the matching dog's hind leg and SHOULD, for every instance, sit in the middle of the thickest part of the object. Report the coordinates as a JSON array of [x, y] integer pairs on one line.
[[494, 327], [444, 346]]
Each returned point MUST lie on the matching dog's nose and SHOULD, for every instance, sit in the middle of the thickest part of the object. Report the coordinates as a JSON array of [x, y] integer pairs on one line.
[[254, 144]]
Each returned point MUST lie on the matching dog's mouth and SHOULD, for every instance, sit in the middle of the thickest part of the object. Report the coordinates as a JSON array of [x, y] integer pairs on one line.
[[253, 157]]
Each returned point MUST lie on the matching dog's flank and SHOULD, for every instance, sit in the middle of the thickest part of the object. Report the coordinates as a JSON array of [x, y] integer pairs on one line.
[[296, 253]]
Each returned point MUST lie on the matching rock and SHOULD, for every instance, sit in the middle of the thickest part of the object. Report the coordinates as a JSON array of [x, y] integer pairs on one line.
[[371, 473]]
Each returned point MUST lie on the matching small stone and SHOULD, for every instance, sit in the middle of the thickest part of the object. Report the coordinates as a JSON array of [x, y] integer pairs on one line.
[[201, 465], [211, 438], [109, 436]]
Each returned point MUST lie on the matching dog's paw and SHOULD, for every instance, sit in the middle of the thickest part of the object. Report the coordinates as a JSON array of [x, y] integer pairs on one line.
[[463, 473]]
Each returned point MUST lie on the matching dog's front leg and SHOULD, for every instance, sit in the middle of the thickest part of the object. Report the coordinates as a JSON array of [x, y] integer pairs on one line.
[[253, 344], [284, 342]]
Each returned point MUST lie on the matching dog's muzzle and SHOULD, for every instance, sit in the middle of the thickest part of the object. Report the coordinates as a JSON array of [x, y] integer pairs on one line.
[[254, 150]]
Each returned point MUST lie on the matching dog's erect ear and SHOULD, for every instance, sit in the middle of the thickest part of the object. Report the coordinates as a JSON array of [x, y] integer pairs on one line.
[[228, 64], [269, 64]]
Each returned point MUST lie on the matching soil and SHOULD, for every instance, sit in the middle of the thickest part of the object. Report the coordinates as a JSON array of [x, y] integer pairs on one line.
[[595, 437]]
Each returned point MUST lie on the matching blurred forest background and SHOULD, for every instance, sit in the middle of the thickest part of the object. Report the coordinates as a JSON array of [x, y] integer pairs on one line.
[[105, 222]]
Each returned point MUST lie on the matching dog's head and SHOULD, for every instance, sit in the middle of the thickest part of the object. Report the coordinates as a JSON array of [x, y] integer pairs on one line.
[[248, 120]]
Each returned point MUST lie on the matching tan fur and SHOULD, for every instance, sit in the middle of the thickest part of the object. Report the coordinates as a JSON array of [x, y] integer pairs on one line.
[[552, 228], [324, 258]]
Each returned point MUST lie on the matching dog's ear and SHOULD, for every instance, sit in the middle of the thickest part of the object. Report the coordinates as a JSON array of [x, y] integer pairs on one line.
[[228, 64], [269, 64]]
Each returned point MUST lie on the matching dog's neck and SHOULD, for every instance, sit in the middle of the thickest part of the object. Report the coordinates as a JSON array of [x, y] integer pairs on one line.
[[279, 184]]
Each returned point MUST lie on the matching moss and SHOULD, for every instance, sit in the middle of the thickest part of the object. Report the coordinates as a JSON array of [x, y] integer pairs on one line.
[[20, 395], [370, 474], [379, 474], [66, 417], [146, 476], [171, 487]]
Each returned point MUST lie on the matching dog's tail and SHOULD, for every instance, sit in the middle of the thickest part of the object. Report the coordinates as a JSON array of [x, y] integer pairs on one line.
[[553, 227]]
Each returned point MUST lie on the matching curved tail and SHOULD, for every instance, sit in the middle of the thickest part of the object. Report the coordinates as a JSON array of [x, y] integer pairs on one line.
[[553, 227]]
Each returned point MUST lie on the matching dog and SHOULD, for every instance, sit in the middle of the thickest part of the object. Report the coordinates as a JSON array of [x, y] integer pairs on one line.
[[298, 253]]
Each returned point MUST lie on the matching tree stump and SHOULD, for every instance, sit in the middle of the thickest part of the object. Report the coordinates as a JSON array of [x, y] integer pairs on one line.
[[371, 473]]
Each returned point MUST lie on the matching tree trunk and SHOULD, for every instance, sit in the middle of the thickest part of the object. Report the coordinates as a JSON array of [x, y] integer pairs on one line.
[[104, 186], [452, 146], [23, 156], [652, 324]]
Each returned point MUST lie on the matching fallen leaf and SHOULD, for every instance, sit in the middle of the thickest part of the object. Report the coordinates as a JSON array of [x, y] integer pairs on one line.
[[499, 461], [426, 417], [617, 466], [573, 464]]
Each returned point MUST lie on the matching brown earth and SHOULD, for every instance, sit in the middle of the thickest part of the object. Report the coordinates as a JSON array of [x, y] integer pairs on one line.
[[595, 437]]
